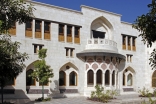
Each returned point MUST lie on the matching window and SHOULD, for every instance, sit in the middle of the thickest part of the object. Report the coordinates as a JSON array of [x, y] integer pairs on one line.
[[131, 42], [99, 77], [73, 79], [134, 44], [12, 31], [46, 27], [29, 25], [28, 29], [61, 32], [123, 79], [37, 47], [90, 77], [129, 57], [154, 79], [113, 78], [29, 80], [38, 25], [123, 42], [107, 77], [77, 32], [129, 79], [69, 52], [62, 78], [69, 30], [61, 29], [98, 34]]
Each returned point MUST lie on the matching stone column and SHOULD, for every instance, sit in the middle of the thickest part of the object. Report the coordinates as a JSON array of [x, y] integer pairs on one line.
[[103, 79], [115, 80], [94, 79], [85, 80], [131, 43], [42, 30], [126, 42], [65, 33], [110, 80], [33, 28], [67, 80]]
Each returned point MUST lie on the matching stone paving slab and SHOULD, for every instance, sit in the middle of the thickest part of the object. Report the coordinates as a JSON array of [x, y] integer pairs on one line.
[[124, 99]]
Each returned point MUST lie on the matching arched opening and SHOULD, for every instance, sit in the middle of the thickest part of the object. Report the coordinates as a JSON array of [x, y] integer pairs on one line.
[[99, 77], [107, 73], [101, 28], [29, 80], [113, 78], [62, 78], [90, 77], [154, 79], [73, 79], [123, 77], [129, 79]]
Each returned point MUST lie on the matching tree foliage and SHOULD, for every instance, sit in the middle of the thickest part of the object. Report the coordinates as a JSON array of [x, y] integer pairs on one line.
[[42, 72], [146, 24], [12, 11]]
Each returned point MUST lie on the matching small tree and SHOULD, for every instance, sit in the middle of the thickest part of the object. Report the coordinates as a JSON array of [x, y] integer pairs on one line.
[[42, 72], [11, 60]]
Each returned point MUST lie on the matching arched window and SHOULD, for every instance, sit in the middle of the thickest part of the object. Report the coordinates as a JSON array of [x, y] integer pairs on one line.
[[107, 77], [62, 78], [99, 77], [90, 77], [154, 79], [129, 79], [123, 77], [29, 80], [73, 79], [113, 78]]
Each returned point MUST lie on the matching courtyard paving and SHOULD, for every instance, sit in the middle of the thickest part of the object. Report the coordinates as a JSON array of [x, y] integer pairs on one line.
[[124, 99]]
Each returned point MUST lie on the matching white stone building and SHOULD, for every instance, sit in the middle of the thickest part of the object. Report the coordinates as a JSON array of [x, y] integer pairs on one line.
[[85, 48]]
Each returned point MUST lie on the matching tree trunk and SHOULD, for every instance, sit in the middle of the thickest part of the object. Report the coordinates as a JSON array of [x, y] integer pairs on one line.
[[42, 91]]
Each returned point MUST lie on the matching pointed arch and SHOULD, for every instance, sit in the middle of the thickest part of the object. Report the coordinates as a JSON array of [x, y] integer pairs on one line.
[[113, 77], [107, 76], [62, 78], [73, 78], [99, 77], [129, 79], [90, 77], [69, 64], [101, 24], [29, 80]]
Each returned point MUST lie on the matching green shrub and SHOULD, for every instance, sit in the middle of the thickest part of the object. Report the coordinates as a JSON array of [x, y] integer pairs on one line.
[[41, 99], [101, 96], [143, 92]]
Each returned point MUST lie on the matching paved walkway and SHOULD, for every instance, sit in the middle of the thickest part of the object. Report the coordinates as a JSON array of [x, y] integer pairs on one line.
[[124, 99]]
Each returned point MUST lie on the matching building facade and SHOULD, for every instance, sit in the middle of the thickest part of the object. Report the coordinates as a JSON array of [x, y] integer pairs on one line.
[[85, 48]]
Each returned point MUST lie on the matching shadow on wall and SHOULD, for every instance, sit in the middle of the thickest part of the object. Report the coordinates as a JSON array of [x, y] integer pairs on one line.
[[121, 65], [15, 96], [55, 93]]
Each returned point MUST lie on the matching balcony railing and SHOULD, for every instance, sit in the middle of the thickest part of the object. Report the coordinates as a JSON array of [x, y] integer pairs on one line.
[[105, 44]]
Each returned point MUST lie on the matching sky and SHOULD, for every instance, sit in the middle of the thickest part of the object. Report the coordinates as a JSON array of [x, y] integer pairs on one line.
[[129, 9]]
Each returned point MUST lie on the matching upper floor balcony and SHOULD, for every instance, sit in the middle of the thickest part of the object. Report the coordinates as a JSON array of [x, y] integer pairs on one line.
[[104, 44]]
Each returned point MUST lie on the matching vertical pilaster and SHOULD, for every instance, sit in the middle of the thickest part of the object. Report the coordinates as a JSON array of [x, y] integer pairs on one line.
[[103, 79], [33, 28], [67, 80], [94, 79], [42, 30], [110, 80]]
